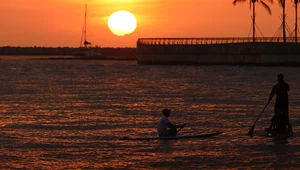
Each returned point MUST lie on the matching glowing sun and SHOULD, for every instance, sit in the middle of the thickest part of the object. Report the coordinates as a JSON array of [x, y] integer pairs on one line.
[[121, 23]]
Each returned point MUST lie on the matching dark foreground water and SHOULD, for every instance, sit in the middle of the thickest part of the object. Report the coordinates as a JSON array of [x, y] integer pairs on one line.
[[67, 114]]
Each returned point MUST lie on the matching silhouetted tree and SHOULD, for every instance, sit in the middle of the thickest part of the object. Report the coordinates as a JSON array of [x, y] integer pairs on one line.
[[252, 3], [296, 19], [282, 4]]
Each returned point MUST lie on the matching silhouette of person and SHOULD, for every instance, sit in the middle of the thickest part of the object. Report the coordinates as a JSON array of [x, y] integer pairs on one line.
[[165, 127], [280, 120]]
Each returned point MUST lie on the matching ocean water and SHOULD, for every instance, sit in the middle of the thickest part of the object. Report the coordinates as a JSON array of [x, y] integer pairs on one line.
[[69, 114]]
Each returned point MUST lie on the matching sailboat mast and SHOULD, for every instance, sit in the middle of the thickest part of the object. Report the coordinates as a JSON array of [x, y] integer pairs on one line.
[[86, 43], [84, 31]]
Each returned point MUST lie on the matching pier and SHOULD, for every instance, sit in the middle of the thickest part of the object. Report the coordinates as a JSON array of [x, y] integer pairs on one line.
[[224, 51]]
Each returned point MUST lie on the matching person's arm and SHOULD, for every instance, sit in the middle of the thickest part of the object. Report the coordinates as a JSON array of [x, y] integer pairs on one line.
[[175, 126], [287, 87], [272, 93]]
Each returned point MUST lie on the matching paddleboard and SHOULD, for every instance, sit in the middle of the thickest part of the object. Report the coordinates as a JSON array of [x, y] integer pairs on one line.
[[202, 135], [271, 132]]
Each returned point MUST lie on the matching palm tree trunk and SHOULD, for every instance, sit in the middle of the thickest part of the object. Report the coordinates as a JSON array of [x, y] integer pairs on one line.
[[283, 21], [296, 24], [253, 23]]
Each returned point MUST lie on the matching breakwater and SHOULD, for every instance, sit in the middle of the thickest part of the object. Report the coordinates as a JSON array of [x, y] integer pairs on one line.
[[213, 51]]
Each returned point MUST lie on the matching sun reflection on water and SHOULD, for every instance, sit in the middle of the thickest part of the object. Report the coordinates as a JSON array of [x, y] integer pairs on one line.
[[71, 115]]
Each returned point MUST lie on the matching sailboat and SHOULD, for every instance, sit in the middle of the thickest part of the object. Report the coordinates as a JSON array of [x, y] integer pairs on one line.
[[86, 52]]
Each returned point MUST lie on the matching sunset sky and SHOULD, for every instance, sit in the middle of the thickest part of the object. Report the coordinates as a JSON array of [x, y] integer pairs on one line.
[[58, 23]]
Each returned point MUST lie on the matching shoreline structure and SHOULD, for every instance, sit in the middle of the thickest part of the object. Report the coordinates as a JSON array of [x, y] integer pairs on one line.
[[219, 51], [266, 51]]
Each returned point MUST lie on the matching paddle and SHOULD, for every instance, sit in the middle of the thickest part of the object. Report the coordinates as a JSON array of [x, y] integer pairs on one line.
[[181, 128], [250, 133]]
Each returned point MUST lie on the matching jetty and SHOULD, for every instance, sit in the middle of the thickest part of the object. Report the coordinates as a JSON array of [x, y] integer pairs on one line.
[[219, 51]]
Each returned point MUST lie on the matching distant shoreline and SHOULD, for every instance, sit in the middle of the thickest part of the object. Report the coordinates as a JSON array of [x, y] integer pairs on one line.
[[87, 58], [125, 53]]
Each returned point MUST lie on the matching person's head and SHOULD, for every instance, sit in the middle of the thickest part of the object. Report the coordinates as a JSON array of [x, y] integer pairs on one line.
[[280, 77], [166, 112]]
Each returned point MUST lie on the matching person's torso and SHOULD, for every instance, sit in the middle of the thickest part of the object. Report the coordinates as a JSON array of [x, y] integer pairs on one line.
[[162, 124], [282, 92]]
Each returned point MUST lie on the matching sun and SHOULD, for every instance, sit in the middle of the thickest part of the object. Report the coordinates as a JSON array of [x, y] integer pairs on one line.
[[122, 23]]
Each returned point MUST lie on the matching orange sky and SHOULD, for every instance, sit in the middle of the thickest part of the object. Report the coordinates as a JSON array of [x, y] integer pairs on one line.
[[58, 23]]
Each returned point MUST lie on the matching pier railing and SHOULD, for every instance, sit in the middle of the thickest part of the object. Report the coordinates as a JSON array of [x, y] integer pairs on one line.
[[220, 40]]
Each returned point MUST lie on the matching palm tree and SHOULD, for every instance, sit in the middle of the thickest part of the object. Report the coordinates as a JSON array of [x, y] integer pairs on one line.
[[282, 4], [296, 18], [252, 2]]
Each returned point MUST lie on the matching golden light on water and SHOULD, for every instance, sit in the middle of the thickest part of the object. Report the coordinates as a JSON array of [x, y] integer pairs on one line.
[[71, 115]]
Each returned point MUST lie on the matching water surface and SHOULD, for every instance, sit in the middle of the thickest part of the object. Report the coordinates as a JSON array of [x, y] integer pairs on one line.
[[69, 114]]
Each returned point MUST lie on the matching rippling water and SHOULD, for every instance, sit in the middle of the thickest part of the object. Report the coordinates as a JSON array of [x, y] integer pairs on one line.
[[68, 114]]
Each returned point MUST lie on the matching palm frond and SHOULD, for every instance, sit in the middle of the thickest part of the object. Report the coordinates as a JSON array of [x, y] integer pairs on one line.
[[238, 1], [266, 7], [281, 2]]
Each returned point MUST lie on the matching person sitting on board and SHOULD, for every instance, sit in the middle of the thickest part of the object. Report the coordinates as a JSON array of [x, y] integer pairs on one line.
[[280, 120], [165, 127]]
